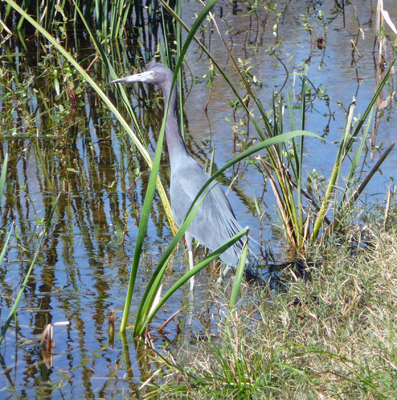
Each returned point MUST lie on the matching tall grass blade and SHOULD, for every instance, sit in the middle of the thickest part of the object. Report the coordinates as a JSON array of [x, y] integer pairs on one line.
[[166, 34], [344, 147], [3, 176], [147, 205], [215, 254], [25, 281], [178, 11], [294, 165], [157, 275], [332, 184], [239, 275], [3, 251], [299, 159], [356, 159], [163, 57]]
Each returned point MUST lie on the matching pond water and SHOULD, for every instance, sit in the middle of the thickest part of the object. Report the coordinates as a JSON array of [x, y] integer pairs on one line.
[[57, 146]]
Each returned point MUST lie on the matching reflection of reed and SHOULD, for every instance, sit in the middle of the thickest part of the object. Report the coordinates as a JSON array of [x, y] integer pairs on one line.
[[379, 68], [380, 63], [47, 345]]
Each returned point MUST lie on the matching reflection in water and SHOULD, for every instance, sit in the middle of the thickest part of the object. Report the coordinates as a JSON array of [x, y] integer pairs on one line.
[[66, 142]]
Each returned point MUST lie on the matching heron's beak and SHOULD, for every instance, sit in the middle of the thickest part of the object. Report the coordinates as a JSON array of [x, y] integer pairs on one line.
[[142, 77]]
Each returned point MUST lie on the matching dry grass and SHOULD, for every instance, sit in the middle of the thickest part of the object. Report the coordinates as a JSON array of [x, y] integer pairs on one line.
[[331, 337]]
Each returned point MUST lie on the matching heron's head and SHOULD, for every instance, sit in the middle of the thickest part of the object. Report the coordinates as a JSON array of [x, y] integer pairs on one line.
[[156, 74]]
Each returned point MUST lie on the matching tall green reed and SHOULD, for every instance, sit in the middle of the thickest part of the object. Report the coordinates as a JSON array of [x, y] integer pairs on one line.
[[304, 228], [154, 283], [3, 177], [107, 17], [349, 136]]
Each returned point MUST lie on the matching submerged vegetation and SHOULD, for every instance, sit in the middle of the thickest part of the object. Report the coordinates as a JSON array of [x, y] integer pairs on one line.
[[84, 194]]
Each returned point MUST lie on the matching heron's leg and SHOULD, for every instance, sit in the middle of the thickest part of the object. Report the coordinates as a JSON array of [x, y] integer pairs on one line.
[[223, 274], [189, 240]]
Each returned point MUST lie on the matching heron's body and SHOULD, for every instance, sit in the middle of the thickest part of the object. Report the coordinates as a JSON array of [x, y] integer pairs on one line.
[[214, 223]]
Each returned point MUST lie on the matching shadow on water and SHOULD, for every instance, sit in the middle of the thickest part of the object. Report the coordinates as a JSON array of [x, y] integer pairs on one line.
[[61, 139]]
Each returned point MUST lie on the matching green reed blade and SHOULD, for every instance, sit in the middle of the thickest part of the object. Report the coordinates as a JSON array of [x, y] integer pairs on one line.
[[239, 275], [147, 205], [344, 147], [356, 159], [299, 160], [178, 11], [3, 176], [3, 251], [332, 184], [252, 150], [215, 254], [150, 291], [155, 280]]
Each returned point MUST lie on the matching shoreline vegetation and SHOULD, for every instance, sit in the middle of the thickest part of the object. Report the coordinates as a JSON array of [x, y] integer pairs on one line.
[[331, 336]]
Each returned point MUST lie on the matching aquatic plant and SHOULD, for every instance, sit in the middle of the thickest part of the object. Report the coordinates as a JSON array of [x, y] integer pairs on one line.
[[300, 230], [307, 219]]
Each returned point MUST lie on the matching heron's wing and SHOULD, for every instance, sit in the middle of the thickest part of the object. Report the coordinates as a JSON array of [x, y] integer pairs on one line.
[[214, 222]]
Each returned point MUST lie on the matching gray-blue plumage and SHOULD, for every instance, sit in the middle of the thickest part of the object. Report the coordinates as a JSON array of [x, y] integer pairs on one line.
[[215, 222]]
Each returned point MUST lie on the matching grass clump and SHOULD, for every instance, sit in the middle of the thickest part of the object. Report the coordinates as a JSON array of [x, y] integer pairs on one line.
[[332, 336]]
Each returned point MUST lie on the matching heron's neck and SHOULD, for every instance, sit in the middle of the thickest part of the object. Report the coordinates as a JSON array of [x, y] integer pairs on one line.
[[175, 143]]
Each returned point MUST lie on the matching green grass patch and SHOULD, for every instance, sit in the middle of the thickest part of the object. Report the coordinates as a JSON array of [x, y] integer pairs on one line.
[[332, 336]]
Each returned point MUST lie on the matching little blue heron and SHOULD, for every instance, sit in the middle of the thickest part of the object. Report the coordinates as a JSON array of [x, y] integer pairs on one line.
[[215, 222]]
